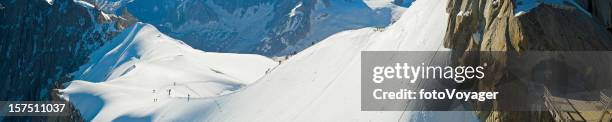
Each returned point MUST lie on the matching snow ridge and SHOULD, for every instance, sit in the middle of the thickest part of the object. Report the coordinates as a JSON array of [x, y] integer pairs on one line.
[[155, 72]]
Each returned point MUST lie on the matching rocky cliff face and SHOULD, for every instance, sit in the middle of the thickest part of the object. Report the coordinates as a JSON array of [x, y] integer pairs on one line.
[[491, 31], [41, 43]]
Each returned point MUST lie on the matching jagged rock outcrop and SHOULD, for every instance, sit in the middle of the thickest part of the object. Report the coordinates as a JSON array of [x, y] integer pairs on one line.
[[490, 31]]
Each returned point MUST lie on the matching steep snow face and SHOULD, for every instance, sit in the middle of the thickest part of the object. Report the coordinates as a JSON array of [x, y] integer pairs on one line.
[[322, 83], [142, 72]]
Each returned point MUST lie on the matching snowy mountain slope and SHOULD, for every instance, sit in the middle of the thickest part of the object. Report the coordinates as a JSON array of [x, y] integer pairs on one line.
[[129, 76], [321, 83]]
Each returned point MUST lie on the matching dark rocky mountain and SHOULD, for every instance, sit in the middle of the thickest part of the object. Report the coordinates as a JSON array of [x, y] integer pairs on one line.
[[494, 32], [267, 27]]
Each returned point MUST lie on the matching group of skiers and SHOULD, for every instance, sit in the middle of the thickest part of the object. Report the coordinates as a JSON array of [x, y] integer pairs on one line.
[[169, 93]]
